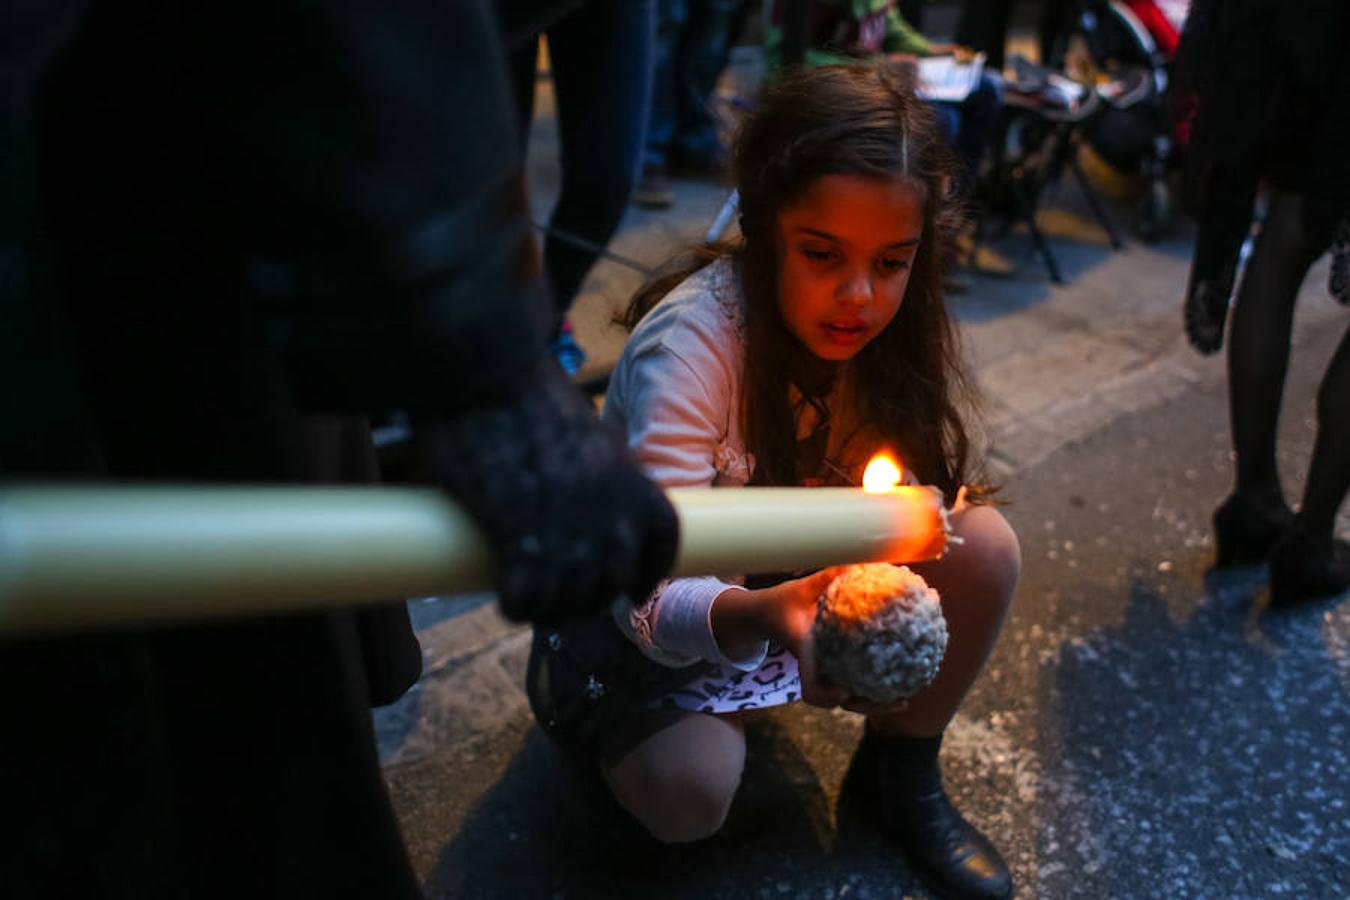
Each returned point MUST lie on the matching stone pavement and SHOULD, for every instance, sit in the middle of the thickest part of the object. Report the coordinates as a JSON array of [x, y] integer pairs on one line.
[[1145, 727]]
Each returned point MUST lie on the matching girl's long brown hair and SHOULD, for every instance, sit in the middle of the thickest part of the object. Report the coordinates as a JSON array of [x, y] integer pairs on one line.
[[911, 383]]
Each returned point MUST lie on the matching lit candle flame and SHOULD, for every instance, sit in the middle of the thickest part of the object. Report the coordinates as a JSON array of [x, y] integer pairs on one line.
[[881, 475]]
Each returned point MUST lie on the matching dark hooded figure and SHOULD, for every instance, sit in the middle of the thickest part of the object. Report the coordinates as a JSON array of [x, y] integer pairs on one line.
[[229, 232]]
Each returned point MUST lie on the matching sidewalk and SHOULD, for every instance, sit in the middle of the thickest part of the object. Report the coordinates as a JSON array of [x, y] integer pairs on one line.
[[1144, 728]]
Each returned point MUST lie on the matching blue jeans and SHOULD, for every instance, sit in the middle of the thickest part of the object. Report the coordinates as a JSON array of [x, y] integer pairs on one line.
[[693, 39], [968, 124], [600, 54]]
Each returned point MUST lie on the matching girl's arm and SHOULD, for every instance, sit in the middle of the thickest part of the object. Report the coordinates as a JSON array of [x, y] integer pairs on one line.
[[675, 405], [784, 614], [673, 414]]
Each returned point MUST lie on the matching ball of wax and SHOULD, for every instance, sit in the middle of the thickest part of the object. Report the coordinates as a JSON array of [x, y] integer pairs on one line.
[[879, 632]]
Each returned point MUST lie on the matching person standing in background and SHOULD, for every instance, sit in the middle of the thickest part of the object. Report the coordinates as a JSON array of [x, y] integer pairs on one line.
[[600, 56], [983, 27], [693, 42], [1271, 90]]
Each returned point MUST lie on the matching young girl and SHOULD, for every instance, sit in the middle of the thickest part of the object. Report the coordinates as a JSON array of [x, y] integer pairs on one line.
[[791, 359]]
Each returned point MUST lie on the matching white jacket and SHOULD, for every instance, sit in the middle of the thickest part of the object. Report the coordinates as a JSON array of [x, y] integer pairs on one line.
[[676, 391]]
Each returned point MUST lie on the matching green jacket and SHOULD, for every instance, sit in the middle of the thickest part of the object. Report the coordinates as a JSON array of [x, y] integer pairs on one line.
[[845, 31]]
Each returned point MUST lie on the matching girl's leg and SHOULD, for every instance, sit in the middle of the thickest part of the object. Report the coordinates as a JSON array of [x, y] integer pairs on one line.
[[978, 117], [680, 781], [899, 753], [975, 581]]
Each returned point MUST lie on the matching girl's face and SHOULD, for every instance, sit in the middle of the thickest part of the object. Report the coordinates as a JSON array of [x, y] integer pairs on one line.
[[845, 250]]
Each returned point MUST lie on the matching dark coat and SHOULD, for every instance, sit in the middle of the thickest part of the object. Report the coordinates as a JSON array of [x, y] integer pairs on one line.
[[231, 230]]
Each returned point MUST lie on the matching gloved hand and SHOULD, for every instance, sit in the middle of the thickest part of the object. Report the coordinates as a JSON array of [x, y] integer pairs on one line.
[[573, 521]]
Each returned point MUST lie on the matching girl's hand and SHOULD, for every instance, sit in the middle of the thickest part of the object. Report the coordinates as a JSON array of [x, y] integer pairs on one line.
[[786, 615], [797, 603], [792, 617]]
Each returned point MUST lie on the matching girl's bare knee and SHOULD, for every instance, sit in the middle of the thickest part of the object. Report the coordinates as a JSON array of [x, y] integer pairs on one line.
[[691, 814], [990, 557], [680, 783]]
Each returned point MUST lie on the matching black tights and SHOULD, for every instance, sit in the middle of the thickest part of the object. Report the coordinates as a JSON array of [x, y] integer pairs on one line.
[[1258, 358]]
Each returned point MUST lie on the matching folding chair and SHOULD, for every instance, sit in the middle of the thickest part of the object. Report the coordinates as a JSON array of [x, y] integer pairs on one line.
[[1019, 184]]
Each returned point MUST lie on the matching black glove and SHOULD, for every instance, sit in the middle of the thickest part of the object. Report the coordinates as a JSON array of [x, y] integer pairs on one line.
[[573, 521], [1224, 222]]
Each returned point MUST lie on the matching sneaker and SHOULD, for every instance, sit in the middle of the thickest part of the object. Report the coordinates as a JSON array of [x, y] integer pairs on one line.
[[567, 351], [653, 190]]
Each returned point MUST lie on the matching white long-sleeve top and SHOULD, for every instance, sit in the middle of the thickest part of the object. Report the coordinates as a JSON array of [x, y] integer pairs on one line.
[[676, 391]]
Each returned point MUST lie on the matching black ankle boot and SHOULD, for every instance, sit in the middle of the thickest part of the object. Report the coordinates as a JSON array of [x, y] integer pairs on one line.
[[1244, 530], [1307, 567], [954, 858]]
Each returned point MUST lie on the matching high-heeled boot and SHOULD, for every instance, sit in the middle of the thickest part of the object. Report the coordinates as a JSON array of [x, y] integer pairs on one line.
[[1245, 530], [1305, 566], [949, 853]]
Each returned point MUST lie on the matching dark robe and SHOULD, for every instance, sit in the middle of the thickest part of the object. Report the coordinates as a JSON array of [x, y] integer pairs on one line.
[[230, 231]]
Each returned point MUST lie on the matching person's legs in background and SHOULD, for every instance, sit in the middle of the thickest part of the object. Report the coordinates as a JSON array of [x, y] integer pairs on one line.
[[523, 62], [1258, 357], [948, 120], [705, 47], [1255, 519], [1307, 562], [693, 42], [601, 61], [912, 12], [979, 114], [653, 186], [1050, 30], [984, 28], [948, 117]]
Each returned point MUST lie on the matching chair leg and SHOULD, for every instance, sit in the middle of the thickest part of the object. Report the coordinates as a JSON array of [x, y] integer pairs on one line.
[[1027, 201], [1094, 201], [1043, 248], [976, 239]]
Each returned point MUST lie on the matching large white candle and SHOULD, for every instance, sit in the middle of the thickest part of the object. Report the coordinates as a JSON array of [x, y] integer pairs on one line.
[[91, 556], [728, 531]]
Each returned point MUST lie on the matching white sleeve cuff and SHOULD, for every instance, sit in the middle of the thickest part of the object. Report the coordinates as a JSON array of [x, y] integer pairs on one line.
[[684, 622]]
